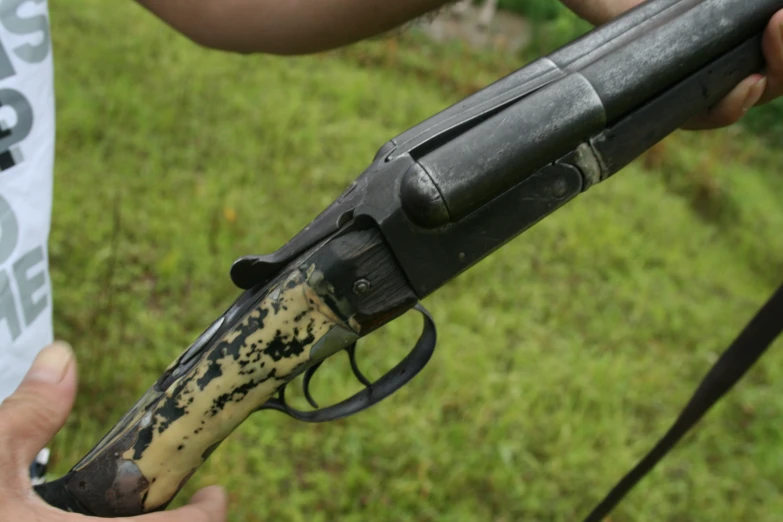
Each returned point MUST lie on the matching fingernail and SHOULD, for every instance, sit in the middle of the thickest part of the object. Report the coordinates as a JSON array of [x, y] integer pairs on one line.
[[51, 363], [754, 94]]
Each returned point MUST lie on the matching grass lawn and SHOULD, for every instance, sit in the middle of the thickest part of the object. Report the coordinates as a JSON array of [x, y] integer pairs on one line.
[[561, 359]]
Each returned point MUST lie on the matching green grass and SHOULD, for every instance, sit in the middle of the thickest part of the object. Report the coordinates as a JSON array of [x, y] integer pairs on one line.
[[561, 359]]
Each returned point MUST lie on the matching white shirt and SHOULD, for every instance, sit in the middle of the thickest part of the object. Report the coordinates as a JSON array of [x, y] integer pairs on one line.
[[27, 130]]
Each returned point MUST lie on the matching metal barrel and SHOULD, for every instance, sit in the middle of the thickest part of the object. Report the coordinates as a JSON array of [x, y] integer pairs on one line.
[[606, 75]]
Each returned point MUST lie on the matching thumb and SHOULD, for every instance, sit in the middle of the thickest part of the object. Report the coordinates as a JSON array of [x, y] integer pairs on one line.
[[38, 408], [210, 503]]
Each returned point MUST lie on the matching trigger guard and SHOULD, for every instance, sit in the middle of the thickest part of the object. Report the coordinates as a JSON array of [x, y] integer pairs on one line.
[[392, 381]]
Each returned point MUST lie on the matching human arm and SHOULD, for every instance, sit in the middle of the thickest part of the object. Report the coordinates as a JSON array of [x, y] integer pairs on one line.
[[31, 416], [289, 27], [305, 26]]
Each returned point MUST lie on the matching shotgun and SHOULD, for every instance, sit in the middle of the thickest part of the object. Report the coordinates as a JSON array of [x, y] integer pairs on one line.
[[434, 202]]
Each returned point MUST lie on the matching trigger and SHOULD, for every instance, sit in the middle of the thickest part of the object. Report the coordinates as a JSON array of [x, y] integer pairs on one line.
[[395, 379], [306, 383], [355, 368]]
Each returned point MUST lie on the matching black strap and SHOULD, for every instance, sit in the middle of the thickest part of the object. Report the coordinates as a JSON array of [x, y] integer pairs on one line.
[[743, 353]]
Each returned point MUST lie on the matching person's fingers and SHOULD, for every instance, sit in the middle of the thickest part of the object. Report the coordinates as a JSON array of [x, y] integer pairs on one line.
[[38, 408], [772, 44], [754, 90], [208, 505], [212, 501], [733, 107]]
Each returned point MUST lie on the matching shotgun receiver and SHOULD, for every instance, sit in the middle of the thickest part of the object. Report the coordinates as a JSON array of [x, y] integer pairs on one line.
[[435, 201]]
